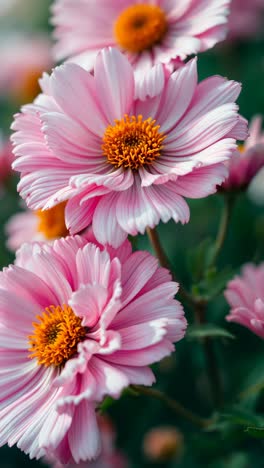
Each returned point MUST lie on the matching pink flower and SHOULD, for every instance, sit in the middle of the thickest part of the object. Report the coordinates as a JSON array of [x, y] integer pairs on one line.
[[125, 151], [6, 159], [148, 32], [77, 323], [23, 60], [110, 457], [245, 295], [246, 19], [39, 225], [247, 161]]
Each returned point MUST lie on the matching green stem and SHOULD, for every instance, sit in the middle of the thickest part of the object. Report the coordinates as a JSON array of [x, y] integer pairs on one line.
[[174, 405], [157, 247], [229, 200], [211, 361]]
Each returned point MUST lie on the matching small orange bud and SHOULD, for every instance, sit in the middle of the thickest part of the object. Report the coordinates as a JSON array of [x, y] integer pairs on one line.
[[163, 444]]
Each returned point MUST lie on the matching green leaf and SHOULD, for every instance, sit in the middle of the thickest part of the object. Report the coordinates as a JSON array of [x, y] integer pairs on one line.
[[236, 416], [197, 259], [208, 330], [253, 381], [242, 417], [106, 403], [214, 282], [256, 432]]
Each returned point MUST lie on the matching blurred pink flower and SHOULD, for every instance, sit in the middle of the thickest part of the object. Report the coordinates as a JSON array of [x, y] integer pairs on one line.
[[127, 163], [23, 60], [6, 159], [39, 225], [5, 5], [110, 457], [22, 227], [256, 189], [246, 19], [245, 295], [77, 323], [246, 162], [148, 32]]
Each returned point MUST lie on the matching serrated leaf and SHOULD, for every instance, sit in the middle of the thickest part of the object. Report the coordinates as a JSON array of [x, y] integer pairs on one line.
[[256, 432], [208, 331]]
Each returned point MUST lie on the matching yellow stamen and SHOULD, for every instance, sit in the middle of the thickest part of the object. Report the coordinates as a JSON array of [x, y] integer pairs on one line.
[[132, 142], [52, 222], [140, 26], [56, 336]]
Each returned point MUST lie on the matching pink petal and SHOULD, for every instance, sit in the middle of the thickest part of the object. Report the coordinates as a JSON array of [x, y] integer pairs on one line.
[[140, 207], [72, 86], [105, 225], [114, 83], [88, 303], [177, 96], [84, 423]]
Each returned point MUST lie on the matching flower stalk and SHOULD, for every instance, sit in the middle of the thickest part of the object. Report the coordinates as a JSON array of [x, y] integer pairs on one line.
[[174, 405], [229, 200]]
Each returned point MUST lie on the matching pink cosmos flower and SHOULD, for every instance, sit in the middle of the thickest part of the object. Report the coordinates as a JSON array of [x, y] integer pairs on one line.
[[6, 159], [246, 19], [78, 322], [148, 32], [247, 161], [110, 457], [245, 295], [125, 151], [23, 60], [28, 226]]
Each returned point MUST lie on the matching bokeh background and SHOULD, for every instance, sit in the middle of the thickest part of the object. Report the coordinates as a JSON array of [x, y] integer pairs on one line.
[[241, 360]]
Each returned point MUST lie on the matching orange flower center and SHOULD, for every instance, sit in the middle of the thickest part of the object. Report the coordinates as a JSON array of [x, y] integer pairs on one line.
[[140, 26], [132, 142], [56, 336], [52, 222], [28, 87], [241, 148]]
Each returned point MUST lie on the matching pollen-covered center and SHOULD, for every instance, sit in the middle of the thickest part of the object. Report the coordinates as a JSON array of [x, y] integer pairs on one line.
[[56, 336], [132, 142], [140, 26], [52, 222]]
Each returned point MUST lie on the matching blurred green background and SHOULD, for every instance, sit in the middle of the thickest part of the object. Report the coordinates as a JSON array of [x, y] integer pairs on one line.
[[183, 376]]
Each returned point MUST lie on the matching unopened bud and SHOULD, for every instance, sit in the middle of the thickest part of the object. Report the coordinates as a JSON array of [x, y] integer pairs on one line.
[[162, 444]]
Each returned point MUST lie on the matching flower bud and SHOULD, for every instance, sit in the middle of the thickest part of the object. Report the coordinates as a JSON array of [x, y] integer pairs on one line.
[[162, 444]]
